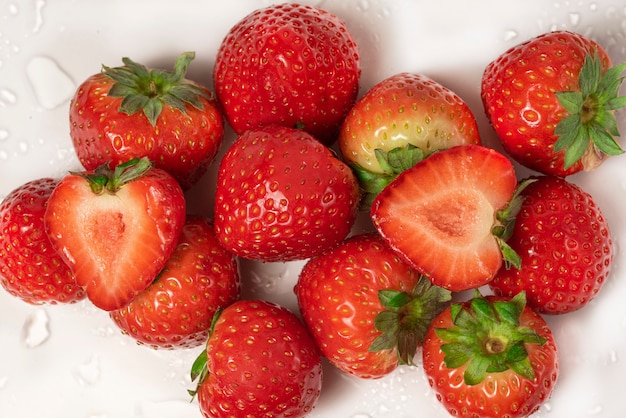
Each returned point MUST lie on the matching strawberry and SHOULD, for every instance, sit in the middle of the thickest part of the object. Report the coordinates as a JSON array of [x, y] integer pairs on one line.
[[288, 64], [116, 228], [259, 361], [551, 101], [367, 309], [491, 357], [448, 215], [30, 268], [132, 111], [282, 195], [397, 123], [176, 310], [565, 247]]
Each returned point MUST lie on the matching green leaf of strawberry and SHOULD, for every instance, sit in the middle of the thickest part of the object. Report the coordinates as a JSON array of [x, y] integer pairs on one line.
[[366, 308], [591, 120], [407, 316], [488, 339], [552, 100], [143, 89], [397, 123], [132, 111]]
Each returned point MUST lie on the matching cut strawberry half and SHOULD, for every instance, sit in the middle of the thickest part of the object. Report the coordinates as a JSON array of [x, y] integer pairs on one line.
[[116, 229], [446, 215]]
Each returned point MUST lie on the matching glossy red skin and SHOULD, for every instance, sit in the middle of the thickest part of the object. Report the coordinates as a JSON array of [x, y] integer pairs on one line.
[[176, 310], [565, 245], [405, 108], [438, 214], [183, 144], [115, 245], [30, 267], [338, 298], [504, 394], [288, 64], [282, 195], [262, 363], [518, 96]]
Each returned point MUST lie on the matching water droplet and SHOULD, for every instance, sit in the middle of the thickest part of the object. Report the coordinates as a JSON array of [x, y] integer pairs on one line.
[[23, 145], [88, 372], [4, 134], [7, 97], [593, 7], [596, 410], [574, 18], [36, 328], [39, 5], [3, 381], [13, 9], [53, 87], [510, 34], [363, 5]]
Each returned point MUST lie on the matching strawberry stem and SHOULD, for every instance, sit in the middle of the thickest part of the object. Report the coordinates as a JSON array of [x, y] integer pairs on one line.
[[488, 338], [111, 180], [406, 318], [506, 223], [148, 90], [589, 131], [392, 163]]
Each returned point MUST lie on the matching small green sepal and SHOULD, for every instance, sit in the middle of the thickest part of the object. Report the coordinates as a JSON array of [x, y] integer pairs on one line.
[[503, 230], [406, 318], [487, 338], [149, 90], [591, 127], [105, 179]]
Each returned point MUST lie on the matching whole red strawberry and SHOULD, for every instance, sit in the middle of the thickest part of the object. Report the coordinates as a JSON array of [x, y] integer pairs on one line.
[[449, 215], [131, 111], [565, 247], [491, 357], [397, 123], [30, 267], [551, 101], [176, 310], [282, 195], [116, 228], [259, 361], [288, 64], [367, 309]]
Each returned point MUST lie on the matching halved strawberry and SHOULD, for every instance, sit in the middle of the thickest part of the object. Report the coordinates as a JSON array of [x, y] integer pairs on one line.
[[116, 228], [441, 215]]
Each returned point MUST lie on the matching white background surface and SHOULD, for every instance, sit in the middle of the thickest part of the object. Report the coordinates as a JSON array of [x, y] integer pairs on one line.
[[84, 368]]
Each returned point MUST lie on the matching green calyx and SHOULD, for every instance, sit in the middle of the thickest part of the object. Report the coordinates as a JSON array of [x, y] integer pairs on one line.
[[105, 179], [392, 163], [406, 318], [503, 230], [487, 338], [199, 368], [149, 90], [590, 128]]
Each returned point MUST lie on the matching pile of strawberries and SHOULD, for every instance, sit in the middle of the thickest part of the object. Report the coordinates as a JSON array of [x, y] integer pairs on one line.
[[448, 214]]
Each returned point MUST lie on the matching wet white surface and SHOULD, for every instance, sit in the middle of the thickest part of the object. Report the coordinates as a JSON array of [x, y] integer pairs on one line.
[[71, 361]]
